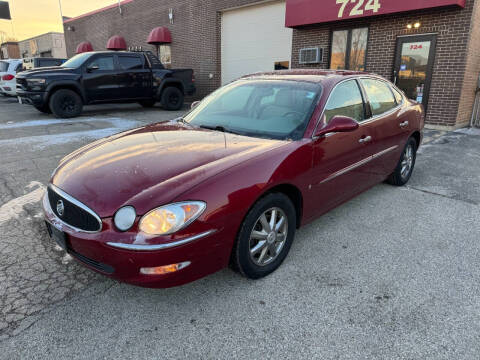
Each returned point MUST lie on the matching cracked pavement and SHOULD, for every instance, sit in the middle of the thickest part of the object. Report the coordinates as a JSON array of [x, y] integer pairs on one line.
[[392, 274], [34, 274]]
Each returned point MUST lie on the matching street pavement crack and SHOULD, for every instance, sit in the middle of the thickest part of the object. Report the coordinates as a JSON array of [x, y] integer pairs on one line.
[[471, 202]]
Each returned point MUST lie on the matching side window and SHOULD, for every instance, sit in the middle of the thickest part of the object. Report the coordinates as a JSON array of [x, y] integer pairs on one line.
[[380, 96], [130, 62], [346, 100], [104, 63], [398, 96]]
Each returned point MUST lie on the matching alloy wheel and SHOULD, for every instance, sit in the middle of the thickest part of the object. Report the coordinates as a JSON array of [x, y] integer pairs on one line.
[[268, 236], [407, 161]]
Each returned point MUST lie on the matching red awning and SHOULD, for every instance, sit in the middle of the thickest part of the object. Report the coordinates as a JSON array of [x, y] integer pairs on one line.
[[160, 35], [116, 43], [84, 47]]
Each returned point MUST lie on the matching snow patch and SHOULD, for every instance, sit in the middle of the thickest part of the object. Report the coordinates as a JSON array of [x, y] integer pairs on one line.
[[13, 208]]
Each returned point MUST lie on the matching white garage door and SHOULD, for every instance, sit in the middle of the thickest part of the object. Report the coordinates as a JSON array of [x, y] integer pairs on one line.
[[254, 38]]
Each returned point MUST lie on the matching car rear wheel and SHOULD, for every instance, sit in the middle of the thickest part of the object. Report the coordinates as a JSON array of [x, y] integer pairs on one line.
[[405, 165], [43, 108], [147, 103], [265, 236], [172, 98], [66, 104]]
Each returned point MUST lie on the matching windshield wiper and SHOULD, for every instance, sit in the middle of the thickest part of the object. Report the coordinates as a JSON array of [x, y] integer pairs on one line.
[[219, 128]]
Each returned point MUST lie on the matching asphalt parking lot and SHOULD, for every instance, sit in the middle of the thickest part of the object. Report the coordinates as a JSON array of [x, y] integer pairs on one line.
[[393, 274]]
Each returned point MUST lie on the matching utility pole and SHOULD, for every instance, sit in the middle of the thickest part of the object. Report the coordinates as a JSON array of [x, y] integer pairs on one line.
[[119, 6], [61, 11]]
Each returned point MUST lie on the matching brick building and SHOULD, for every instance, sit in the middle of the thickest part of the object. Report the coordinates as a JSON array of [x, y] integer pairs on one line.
[[431, 48], [9, 50]]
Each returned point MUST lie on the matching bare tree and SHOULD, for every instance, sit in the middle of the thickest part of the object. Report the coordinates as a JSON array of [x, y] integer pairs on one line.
[[4, 37]]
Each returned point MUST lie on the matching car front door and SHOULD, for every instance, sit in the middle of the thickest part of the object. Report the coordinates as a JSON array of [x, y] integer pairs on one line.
[[340, 160], [134, 79], [99, 79], [390, 125]]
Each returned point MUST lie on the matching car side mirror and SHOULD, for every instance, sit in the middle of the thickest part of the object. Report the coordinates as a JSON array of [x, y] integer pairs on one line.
[[92, 68], [194, 104], [338, 123]]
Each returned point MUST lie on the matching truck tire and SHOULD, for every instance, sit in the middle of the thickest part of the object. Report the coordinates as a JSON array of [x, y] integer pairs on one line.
[[65, 104], [172, 98], [43, 108], [148, 103]]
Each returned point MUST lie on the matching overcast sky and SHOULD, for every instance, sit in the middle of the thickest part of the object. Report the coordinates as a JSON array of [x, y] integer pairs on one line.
[[35, 17]]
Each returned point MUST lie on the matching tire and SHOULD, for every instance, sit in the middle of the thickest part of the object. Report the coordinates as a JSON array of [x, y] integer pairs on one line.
[[172, 98], [44, 109], [405, 165], [148, 103], [254, 260], [65, 104]]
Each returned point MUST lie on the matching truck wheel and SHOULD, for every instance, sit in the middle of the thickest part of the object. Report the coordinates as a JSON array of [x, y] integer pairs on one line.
[[148, 103], [66, 104], [43, 108], [172, 98]]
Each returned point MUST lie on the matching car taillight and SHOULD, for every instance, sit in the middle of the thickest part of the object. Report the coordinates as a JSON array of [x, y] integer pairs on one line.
[[8, 77], [193, 77]]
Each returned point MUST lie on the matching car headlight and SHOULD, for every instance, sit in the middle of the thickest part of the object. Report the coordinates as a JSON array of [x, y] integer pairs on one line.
[[125, 218], [171, 218], [35, 81]]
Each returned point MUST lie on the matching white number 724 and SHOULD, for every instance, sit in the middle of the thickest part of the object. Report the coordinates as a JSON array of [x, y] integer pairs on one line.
[[373, 5]]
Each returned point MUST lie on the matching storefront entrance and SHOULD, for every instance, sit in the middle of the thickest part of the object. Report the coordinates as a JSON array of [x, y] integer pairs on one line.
[[414, 65]]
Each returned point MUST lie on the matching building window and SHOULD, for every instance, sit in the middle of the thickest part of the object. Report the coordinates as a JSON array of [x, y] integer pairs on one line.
[[349, 49], [165, 54]]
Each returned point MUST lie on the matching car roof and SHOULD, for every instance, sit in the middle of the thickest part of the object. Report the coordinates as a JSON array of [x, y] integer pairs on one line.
[[309, 75]]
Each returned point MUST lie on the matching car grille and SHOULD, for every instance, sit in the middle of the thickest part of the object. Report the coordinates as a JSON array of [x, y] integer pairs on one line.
[[74, 212]]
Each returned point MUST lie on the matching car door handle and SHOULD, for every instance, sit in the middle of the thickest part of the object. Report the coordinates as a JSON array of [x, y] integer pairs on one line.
[[404, 124], [365, 140]]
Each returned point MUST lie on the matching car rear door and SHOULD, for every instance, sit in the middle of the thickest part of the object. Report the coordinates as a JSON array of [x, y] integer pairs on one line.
[[341, 160], [134, 77], [390, 125], [99, 78]]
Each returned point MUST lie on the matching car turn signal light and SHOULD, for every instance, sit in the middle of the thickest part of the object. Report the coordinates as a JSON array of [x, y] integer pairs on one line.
[[166, 269]]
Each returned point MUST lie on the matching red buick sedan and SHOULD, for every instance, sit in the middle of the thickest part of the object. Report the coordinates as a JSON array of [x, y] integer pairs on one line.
[[230, 183]]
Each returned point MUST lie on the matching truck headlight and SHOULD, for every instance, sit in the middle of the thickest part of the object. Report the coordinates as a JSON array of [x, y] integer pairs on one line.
[[171, 218], [35, 81]]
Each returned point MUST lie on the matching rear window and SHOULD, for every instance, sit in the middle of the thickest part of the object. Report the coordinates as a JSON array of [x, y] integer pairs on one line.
[[3, 66], [380, 96], [130, 62]]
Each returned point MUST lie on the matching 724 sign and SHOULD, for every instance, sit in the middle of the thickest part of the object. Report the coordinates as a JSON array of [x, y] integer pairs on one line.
[[359, 8]]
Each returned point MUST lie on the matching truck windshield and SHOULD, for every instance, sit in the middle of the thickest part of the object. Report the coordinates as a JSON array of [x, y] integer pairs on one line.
[[275, 109], [76, 61]]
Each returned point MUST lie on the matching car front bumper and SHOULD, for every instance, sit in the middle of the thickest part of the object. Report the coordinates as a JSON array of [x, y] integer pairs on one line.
[[205, 251], [38, 98]]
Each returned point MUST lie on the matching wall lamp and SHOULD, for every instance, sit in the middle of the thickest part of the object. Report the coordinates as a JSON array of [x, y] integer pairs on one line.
[[416, 25]]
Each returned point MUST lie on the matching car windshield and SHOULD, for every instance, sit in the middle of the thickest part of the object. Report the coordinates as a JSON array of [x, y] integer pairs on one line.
[[277, 109], [3, 66], [76, 61]]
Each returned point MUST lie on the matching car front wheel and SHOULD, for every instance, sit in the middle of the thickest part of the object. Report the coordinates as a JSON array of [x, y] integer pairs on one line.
[[66, 103], [265, 237], [405, 165]]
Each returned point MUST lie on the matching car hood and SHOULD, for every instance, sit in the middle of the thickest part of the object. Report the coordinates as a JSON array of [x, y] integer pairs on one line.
[[151, 166], [45, 71]]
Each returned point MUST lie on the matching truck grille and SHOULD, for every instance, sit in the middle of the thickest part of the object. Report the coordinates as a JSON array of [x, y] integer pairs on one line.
[[22, 84], [73, 212]]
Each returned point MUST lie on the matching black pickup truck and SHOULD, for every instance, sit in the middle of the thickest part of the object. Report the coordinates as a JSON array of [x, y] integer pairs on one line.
[[104, 77]]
